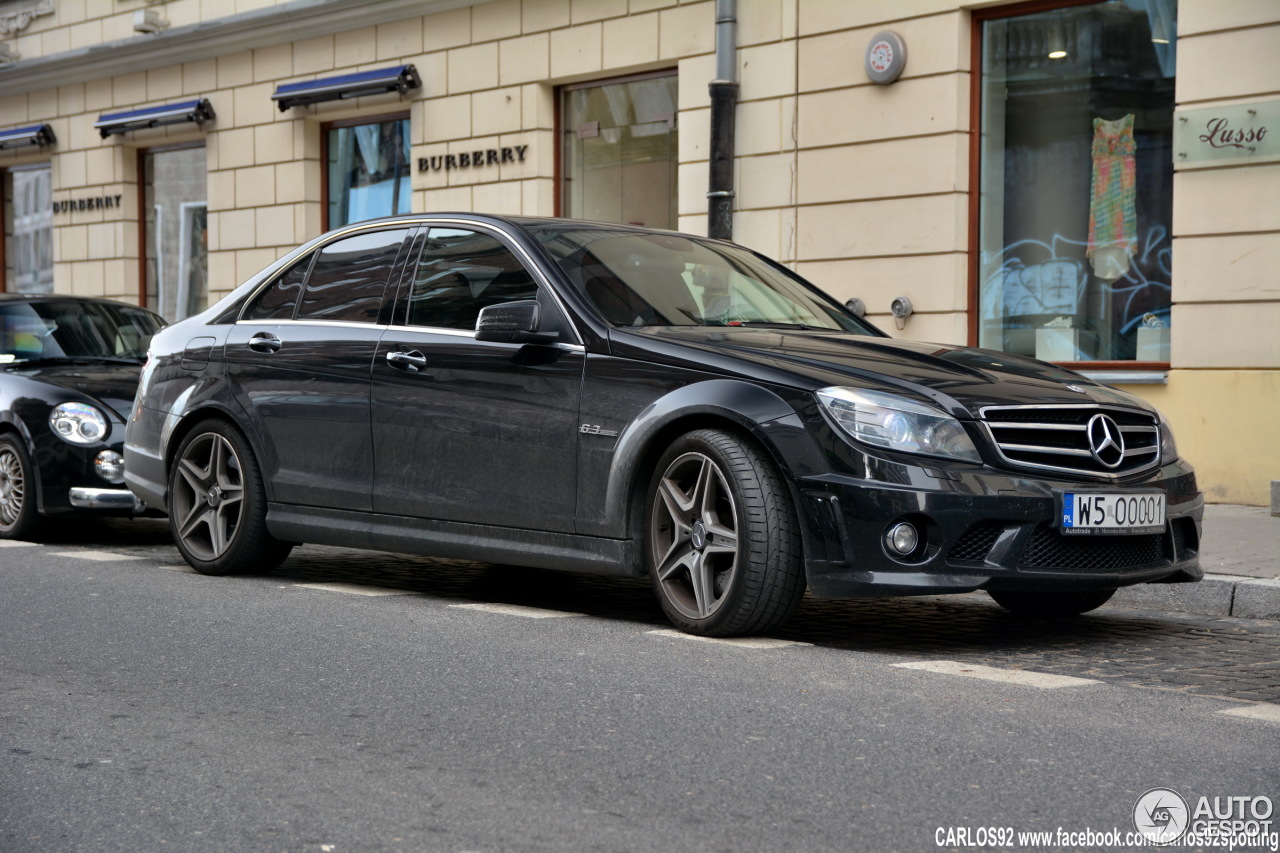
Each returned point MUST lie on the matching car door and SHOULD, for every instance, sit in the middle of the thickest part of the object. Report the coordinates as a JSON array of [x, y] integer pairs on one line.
[[299, 364], [471, 431]]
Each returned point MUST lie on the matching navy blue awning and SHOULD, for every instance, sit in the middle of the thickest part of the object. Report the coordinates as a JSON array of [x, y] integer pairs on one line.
[[198, 111], [36, 134], [399, 78]]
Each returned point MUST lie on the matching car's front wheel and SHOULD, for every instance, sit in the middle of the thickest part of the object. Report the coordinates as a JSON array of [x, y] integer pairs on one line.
[[1051, 603], [722, 539], [217, 505], [19, 516]]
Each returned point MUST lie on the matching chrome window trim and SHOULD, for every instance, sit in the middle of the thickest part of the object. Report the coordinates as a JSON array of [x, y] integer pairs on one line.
[[338, 324], [415, 330], [417, 221]]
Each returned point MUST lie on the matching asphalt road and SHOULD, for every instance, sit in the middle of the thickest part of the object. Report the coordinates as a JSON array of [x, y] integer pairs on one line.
[[357, 702]]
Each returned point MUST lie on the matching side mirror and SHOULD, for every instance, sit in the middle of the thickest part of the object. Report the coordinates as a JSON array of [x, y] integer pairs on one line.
[[512, 323]]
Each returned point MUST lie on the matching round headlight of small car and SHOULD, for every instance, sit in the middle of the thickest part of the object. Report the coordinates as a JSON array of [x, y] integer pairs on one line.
[[78, 423], [110, 466]]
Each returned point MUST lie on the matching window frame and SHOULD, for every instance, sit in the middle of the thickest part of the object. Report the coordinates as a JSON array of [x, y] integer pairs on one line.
[[325, 127], [142, 207], [978, 17], [5, 172], [561, 178]]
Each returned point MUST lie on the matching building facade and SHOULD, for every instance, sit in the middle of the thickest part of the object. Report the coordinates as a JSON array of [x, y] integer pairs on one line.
[[1092, 183]]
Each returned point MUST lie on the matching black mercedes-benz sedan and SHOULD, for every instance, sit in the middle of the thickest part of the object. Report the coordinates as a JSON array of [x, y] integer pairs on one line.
[[618, 400], [68, 373]]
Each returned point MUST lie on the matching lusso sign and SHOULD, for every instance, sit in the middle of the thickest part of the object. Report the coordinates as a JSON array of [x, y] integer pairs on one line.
[[1240, 131]]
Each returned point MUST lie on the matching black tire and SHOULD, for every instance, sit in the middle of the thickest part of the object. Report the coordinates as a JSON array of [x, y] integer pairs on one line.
[[217, 505], [722, 542], [1051, 603], [19, 515]]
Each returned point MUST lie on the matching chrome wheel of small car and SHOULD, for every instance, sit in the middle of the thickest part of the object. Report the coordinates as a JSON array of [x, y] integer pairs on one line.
[[722, 540], [217, 506], [18, 517]]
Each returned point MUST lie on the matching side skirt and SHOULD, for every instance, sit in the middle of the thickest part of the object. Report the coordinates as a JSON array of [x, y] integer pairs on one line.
[[455, 540]]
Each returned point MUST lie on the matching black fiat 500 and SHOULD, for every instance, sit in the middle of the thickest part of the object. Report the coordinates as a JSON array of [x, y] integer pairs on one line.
[[68, 373], [617, 400]]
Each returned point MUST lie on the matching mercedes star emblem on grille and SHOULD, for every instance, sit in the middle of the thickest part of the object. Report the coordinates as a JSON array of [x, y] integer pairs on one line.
[[1106, 441]]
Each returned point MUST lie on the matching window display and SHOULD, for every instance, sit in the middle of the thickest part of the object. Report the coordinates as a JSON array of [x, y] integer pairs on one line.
[[1075, 180]]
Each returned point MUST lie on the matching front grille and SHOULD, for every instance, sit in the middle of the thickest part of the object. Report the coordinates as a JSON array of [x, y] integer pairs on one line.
[[1049, 549], [975, 543], [1056, 438]]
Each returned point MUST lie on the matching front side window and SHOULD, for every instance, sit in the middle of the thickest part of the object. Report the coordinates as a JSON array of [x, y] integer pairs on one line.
[[368, 171], [28, 230], [460, 272], [620, 151], [1075, 181], [175, 218]]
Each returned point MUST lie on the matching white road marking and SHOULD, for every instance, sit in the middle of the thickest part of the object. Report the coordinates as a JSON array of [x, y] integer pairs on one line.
[[1270, 713], [1044, 680], [739, 642], [517, 610], [14, 543], [355, 589], [98, 556]]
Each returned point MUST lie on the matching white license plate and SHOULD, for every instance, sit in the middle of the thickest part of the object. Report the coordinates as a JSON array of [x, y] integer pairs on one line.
[[1112, 512]]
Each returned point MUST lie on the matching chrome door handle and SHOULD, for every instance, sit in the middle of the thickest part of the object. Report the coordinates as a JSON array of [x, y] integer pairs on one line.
[[264, 342], [412, 361]]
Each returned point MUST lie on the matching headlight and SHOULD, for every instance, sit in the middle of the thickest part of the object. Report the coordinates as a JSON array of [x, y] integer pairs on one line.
[[1168, 447], [895, 423], [78, 423]]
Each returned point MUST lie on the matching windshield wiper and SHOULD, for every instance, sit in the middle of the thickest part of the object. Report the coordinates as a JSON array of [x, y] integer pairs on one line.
[[771, 324]]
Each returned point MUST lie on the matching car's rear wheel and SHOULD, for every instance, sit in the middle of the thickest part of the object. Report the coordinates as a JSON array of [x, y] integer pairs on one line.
[[722, 539], [1051, 603], [217, 505], [19, 515]]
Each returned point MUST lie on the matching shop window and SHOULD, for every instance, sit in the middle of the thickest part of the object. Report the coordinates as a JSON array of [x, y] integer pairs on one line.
[[368, 169], [620, 151], [28, 230], [1075, 172], [176, 228]]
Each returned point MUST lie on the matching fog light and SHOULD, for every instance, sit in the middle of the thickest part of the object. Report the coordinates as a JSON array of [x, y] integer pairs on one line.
[[902, 538], [110, 466]]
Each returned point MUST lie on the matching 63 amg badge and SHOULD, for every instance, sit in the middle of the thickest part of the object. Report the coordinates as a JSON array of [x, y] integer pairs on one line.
[[1161, 815]]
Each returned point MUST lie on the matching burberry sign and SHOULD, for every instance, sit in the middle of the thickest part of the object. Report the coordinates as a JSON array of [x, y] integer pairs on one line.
[[472, 159]]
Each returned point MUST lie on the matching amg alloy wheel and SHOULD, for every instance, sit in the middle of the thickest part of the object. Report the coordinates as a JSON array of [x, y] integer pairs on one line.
[[722, 539], [217, 506]]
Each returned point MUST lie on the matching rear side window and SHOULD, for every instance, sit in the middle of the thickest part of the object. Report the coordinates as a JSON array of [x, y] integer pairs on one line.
[[461, 272], [349, 277], [280, 297]]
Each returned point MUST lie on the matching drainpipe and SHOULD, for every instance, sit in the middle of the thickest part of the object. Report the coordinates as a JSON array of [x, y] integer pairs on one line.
[[724, 102]]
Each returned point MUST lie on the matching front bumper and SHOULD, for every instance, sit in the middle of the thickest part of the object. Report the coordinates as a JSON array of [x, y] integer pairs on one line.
[[984, 531], [109, 499]]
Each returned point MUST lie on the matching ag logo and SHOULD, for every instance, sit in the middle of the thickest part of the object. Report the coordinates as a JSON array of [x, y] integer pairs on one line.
[[1161, 815]]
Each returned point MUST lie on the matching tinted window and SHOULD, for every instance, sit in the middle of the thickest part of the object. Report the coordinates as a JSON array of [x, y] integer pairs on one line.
[[349, 277], [31, 330], [277, 301], [461, 272]]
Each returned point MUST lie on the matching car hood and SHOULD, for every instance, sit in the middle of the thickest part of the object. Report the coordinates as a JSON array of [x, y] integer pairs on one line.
[[960, 379], [113, 386]]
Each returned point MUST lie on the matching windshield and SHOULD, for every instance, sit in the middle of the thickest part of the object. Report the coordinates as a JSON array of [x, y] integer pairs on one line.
[[31, 331], [638, 279]]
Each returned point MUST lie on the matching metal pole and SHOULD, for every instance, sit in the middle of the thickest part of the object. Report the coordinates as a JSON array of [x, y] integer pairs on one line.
[[724, 103]]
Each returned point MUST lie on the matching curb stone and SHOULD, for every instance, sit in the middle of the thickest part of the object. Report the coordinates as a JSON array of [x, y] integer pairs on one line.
[[1216, 595]]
